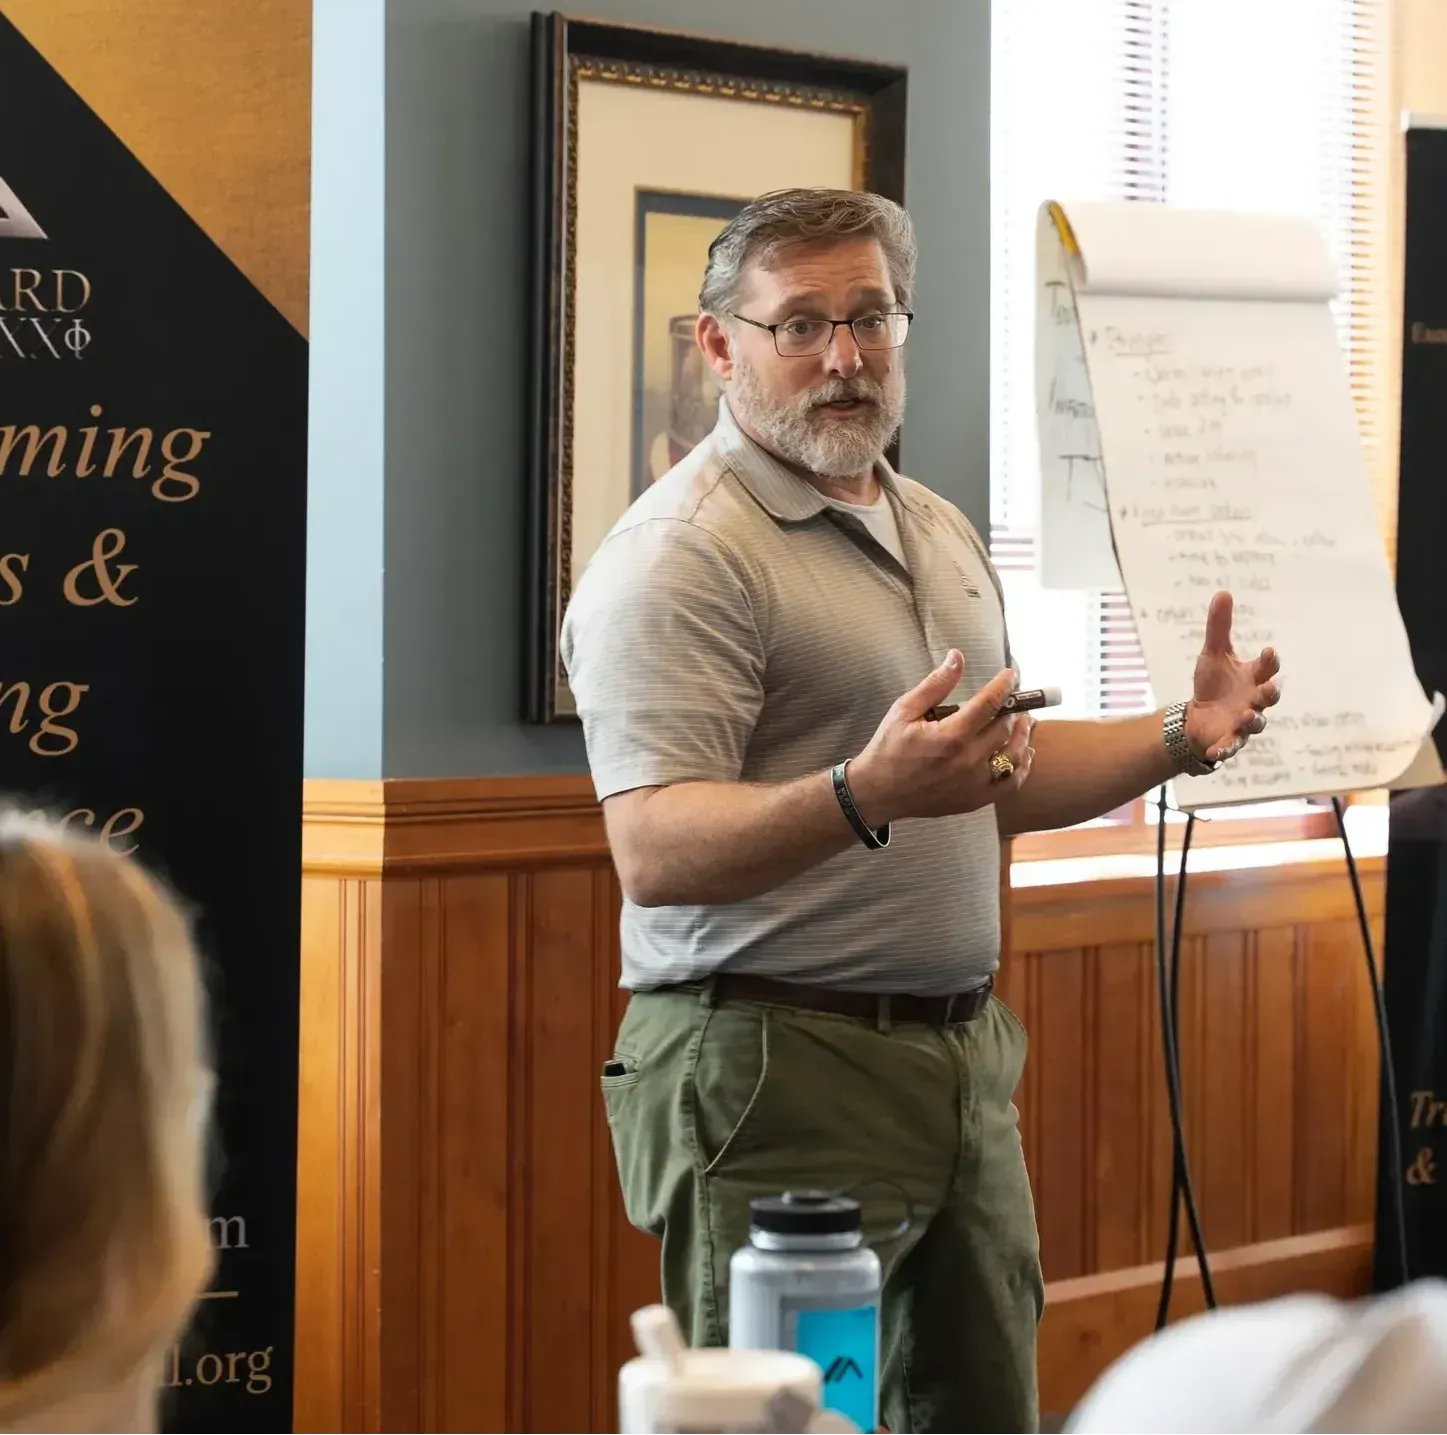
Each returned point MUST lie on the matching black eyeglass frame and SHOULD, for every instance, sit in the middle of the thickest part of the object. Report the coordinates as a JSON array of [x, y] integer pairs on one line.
[[773, 332]]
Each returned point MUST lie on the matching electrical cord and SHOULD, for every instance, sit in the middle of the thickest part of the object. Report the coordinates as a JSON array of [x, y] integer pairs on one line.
[[1388, 1067], [1168, 984], [1178, 1167]]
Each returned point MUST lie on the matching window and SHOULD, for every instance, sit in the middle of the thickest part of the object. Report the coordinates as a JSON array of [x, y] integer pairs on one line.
[[1227, 104]]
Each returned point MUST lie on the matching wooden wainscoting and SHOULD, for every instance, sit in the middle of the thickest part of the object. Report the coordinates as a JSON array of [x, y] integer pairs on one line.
[[1279, 1074], [463, 1259]]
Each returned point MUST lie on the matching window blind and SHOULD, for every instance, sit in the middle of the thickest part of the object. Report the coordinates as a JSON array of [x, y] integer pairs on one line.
[[1274, 105]]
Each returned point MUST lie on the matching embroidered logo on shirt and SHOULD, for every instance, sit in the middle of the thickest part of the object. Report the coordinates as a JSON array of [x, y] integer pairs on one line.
[[966, 582]]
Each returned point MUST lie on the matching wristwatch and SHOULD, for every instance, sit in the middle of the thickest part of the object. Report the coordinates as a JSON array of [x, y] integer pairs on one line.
[[1186, 761]]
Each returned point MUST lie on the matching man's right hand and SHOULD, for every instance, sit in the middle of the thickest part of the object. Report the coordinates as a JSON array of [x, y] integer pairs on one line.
[[917, 767]]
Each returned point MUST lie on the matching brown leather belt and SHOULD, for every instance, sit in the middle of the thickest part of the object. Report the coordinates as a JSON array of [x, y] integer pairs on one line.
[[867, 1006]]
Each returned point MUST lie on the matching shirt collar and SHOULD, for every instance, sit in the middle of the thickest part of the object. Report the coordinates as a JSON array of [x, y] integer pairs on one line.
[[779, 492]]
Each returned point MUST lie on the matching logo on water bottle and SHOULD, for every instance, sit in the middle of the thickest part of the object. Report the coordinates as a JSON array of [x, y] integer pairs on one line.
[[844, 1343]]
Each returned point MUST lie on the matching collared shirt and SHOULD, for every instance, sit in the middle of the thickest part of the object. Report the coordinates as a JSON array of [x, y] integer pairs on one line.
[[735, 626]]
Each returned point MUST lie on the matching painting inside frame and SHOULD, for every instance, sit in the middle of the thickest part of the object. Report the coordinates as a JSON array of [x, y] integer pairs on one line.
[[675, 395], [646, 144]]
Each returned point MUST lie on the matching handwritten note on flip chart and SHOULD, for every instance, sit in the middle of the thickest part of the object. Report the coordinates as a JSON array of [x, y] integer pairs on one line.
[[1230, 459], [1075, 548]]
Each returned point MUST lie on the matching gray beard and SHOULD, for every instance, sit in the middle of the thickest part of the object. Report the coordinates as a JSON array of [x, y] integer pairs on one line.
[[831, 448]]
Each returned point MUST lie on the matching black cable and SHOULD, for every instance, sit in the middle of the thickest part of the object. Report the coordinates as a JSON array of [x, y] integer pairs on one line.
[[1181, 1175], [1168, 985], [1173, 1227], [1389, 1074], [1168, 982], [1167, 991]]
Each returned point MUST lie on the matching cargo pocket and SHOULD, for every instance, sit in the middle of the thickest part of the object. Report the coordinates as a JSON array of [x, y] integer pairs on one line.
[[726, 1083]]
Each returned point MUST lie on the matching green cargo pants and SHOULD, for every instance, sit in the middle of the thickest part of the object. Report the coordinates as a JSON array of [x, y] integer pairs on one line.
[[716, 1103]]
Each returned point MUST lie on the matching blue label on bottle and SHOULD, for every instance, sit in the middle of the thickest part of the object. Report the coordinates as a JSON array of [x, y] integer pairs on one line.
[[845, 1346]]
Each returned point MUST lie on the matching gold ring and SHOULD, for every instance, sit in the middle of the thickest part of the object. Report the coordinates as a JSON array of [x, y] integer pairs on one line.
[[1000, 767]]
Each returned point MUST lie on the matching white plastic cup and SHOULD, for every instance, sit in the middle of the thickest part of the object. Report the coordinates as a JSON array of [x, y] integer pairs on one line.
[[670, 1388]]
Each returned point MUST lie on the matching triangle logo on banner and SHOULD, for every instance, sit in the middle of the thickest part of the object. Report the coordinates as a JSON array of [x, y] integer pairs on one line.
[[16, 222]]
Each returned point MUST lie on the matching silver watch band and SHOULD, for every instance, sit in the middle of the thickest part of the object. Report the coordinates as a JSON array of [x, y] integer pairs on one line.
[[1185, 761]]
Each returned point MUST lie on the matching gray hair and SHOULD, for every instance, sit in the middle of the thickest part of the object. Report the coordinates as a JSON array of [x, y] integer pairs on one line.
[[788, 217]]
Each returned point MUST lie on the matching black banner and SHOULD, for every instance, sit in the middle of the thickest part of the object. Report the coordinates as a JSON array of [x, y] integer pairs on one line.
[[152, 566], [1415, 960]]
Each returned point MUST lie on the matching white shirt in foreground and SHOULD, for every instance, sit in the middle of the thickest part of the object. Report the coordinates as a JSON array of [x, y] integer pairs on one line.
[[1300, 1363]]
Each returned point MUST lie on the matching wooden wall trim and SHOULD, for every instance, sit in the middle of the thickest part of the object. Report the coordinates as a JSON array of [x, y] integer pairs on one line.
[[416, 825], [433, 824], [463, 1260], [1093, 1320], [1052, 915], [343, 828]]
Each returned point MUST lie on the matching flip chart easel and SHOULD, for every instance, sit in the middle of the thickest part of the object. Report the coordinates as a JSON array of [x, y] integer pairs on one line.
[[1197, 433]]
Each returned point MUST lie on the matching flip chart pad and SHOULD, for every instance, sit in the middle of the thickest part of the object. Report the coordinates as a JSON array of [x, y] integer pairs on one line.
[[1075, 549], [1217, 395]]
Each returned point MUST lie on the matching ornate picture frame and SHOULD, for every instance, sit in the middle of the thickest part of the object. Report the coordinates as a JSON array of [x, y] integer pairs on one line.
[[644, 142]]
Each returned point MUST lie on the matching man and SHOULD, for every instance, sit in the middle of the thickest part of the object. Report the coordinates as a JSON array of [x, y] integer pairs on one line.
[[809, 851]]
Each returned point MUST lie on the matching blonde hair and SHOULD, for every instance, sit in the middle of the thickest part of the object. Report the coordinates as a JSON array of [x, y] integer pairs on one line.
[[104, 1100]]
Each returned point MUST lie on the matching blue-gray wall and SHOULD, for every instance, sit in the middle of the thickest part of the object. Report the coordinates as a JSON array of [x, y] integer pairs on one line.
[[456, 160], [346, 486]]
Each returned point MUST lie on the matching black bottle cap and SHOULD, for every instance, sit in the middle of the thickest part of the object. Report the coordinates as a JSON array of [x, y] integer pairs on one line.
[[806, 1213]]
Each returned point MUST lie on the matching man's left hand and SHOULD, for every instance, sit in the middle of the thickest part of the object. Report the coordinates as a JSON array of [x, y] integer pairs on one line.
[[1231, 693]]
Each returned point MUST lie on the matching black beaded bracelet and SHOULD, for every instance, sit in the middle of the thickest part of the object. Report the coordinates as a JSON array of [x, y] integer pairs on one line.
[[872, 838]]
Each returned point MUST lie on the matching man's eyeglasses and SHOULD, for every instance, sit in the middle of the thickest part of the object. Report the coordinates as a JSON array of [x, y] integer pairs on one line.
[[802, 338]]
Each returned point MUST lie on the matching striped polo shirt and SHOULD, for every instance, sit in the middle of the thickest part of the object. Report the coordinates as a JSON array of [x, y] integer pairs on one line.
[[736, 626]]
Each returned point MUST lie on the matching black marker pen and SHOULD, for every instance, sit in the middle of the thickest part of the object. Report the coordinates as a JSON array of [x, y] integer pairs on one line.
[[1024, 699], [1021, 700]]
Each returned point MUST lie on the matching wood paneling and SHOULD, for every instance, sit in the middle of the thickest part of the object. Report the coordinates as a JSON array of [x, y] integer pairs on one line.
[[464, 1262], [1093, 1320], [1278, 1051]]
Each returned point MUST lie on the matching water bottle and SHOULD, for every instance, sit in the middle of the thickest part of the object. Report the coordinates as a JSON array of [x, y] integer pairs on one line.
[[807, 1282]]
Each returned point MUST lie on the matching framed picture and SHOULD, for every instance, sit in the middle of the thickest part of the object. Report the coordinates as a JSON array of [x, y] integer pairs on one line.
[[645, 144]]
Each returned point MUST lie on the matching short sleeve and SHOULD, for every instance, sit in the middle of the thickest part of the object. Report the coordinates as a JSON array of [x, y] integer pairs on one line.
[[664, 659], [999, 587]]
